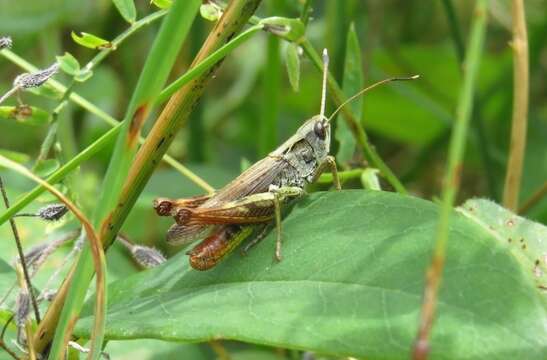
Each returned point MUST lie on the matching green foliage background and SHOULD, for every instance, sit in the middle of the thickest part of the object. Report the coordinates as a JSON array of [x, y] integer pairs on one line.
[[250, 107]]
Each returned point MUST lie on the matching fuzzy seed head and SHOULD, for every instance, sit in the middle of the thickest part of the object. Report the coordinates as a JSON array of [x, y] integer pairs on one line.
[[32, 80]]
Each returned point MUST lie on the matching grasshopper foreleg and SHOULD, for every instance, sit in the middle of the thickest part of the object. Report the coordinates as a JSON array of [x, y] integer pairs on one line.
[[328, 163]]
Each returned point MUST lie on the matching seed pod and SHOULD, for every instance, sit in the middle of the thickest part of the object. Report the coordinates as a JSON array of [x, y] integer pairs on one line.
[[147, 257], [22, 308], [52, 212], [31, 80]]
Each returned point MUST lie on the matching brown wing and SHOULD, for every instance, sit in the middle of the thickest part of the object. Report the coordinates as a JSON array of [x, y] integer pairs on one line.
[[255, 179], [184, 234]]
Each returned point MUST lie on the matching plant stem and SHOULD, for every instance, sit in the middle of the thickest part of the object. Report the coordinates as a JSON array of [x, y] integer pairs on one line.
[[534, 199], [21, 255], [455, 30], [355, 126], [520, 107], [452, 179], [306, 12]]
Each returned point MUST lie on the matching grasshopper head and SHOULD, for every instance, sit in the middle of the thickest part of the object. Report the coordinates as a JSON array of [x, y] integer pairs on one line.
[[316, 132]]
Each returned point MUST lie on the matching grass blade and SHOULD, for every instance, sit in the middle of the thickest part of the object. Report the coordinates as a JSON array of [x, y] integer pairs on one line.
[[452, 179]]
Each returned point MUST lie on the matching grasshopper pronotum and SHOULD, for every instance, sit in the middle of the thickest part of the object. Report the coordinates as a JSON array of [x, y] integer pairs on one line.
[[252, 200]]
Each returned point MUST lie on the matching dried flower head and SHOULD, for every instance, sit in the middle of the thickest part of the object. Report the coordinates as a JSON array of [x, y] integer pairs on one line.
[[31, 80], [52, 212], [147, 257], [5, 42], [22, 308]]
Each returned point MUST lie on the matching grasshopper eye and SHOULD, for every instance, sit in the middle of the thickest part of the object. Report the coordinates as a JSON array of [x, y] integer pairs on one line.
[[319, 130]]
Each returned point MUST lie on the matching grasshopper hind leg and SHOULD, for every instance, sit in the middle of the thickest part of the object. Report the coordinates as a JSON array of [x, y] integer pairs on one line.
[[262, 231]]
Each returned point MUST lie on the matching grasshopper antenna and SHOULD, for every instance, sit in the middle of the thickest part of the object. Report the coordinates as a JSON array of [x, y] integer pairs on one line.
[[324, 90], [361, 92]]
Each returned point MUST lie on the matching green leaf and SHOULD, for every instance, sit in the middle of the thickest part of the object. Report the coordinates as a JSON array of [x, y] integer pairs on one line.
[[18, 157], [352, 83], [525, 239], [91, 41], [162, 4], [68, 64], [127, 9], [350, 284], [24, 114], [71, 66], [292, 61]]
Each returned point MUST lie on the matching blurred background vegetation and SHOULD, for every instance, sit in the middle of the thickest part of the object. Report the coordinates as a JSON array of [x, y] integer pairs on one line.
[[250, 106]]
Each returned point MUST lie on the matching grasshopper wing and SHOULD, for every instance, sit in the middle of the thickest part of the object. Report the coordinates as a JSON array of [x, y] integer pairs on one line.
[[184, 234], [255, 179]]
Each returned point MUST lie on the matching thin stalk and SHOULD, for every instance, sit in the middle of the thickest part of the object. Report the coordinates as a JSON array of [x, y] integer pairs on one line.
[[21, 254], [11, 91], [306, 12], [344, 176], [455, 30], [520, 107], [147, 20], [355, 126], [53, 126], [271, 85], [451, 180], [24, 286], [534, 199]]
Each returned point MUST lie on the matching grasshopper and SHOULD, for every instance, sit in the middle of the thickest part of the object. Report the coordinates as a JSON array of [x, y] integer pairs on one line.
[[251, 201]]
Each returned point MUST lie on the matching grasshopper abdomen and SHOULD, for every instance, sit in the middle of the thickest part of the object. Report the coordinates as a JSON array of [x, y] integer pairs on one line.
[[210, 251]]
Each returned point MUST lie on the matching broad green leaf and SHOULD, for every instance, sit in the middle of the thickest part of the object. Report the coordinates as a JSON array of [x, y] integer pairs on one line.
[[127, 9], [91, 41], [154, 349], [350, 284], [68, 64], [525, 239], [292, 61], [24, 114], [162, 4], [352, 83]]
